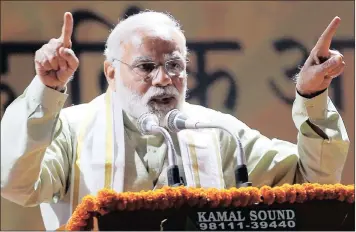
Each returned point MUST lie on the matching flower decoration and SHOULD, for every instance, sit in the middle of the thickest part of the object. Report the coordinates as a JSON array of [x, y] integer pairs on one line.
[[108, 200]]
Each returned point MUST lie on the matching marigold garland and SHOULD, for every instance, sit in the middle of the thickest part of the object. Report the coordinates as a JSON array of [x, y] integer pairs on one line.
[[108, 200]]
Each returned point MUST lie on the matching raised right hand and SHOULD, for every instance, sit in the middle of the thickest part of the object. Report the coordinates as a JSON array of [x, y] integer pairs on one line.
[[55, 62], [315, 75]]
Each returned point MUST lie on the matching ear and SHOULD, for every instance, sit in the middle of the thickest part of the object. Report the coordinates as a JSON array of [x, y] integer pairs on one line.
[[109, 71]]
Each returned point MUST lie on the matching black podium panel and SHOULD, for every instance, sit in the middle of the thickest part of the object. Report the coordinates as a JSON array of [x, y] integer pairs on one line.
[[315, 215]]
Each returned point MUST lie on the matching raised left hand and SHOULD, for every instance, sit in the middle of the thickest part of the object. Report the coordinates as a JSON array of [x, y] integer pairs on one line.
[[317, 75]]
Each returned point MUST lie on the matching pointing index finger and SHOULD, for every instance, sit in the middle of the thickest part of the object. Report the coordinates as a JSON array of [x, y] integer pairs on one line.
[[324, 42], [67, 29]]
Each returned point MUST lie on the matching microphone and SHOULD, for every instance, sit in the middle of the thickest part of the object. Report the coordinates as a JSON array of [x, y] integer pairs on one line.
[[176, 121], [147, 124]]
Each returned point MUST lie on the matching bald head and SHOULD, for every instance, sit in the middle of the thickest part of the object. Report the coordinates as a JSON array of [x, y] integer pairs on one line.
[[136, 28]]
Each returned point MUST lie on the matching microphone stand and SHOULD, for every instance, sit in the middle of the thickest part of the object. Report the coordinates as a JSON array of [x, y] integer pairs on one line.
[[148, 123], [173, 176], [176, 121], [241, 173]]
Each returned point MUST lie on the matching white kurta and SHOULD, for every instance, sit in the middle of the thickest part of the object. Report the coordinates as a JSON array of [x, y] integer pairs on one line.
[[39, 139]]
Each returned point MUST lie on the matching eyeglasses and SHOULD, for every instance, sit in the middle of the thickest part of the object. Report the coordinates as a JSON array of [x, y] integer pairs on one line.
[[149, 70]]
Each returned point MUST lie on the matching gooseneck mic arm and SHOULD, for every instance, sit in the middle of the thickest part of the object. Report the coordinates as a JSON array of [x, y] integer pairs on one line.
[[176, 121], [149, 124]]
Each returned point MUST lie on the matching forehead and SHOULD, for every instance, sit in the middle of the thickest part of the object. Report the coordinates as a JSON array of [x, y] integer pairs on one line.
[[157, 44]]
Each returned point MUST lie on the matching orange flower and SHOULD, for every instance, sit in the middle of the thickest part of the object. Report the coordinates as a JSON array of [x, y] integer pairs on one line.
[[192, 195], [301, 194], [268, 195], [350, 193], [107, 199], [139, 201], [203, 198], [235, 197], [213, 197], [340, 192], [310, 190], [147, 199], [291, 193], [245, 196], [171, 196], [329, 192], [255, 196], [226, 198], [81, 215], [162, 200], [240, 197], [319, 192], [280, 194]]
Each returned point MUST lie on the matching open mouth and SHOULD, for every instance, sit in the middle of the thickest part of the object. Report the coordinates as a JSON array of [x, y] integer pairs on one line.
[[163, 100]]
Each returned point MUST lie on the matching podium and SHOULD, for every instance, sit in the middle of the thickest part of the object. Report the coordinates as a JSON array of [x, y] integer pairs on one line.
[[306, 207]]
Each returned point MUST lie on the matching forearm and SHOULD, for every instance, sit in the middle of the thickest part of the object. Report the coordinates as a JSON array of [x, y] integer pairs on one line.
[[28, 127], [322, 139], [275, 162]]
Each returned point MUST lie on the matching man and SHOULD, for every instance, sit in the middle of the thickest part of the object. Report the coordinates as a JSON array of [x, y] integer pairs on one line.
[[59, 155]]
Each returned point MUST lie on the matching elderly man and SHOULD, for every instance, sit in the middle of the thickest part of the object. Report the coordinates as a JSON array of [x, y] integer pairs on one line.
[[53, 156]]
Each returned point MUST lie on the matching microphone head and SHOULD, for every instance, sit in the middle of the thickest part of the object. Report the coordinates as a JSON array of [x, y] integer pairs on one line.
[[170, 120], [145, 123]]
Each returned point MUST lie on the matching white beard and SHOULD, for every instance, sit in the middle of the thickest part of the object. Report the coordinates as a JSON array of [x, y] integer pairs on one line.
[[135, 105]]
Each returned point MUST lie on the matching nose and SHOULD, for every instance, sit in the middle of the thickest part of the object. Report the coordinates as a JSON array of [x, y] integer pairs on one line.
[[162, 78]]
